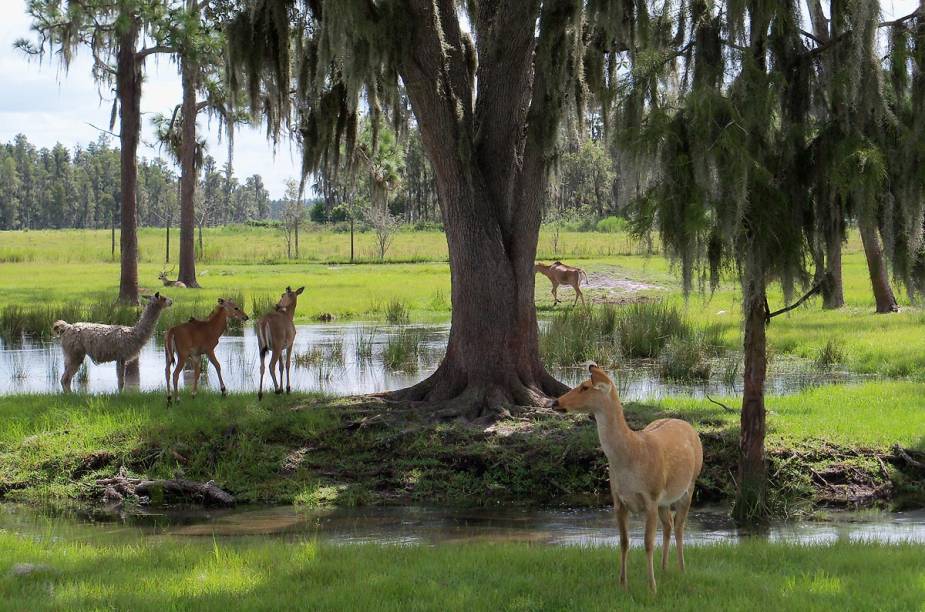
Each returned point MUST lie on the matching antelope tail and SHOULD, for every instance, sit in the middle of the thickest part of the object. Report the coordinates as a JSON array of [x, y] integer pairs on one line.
[[264, 337], [583, 274]]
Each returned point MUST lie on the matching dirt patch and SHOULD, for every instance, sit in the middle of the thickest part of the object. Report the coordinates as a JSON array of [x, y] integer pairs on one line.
[[614, 287]]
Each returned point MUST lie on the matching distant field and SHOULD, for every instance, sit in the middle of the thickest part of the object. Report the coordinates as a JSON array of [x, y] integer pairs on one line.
[[258, 245]]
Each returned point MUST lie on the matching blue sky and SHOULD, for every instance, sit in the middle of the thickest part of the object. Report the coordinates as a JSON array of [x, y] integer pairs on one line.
[[49, 106]]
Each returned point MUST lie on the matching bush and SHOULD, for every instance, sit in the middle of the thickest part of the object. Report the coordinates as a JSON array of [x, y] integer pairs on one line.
[[685, 359], [611, 225], [317, 213], [830, 355]]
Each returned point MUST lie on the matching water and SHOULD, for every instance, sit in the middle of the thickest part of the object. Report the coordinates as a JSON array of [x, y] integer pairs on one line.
[[429, 526], [333, 361]]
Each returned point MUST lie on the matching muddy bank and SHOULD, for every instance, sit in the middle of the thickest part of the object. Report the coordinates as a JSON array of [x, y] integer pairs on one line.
[[354, 452]]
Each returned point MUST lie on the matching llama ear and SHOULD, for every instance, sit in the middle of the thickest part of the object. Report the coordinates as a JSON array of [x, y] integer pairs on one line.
[[299, 290]]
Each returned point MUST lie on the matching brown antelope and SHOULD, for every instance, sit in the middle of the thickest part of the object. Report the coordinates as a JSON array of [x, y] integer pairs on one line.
[[170, 283], [560, 274], [194, 338], [652, 471], [276, 332]]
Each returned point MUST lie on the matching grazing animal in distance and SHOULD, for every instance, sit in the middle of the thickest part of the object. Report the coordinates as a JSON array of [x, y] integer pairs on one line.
[[276, 333], [104, 343], [194, 338], [652, 471], [170, 283], [560, 274]]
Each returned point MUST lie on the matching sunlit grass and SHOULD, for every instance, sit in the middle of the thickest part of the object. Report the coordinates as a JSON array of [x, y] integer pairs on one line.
[[205, 574]]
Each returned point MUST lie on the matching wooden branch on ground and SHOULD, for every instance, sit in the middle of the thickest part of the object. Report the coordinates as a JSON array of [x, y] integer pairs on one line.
[[206, 493], [901, 453], [815, 289]]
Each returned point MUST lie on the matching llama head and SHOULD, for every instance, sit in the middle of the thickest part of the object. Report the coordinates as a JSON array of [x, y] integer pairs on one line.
[[161, 301]]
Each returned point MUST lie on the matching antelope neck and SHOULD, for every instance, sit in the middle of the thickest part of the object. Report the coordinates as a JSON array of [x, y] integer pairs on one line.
[[615, 435]]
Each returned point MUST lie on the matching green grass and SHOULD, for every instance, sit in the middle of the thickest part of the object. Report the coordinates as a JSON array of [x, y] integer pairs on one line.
[[876, 414], [164, 574]]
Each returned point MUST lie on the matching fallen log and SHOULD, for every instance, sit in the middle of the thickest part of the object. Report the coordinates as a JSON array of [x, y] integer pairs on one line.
[[206, 493]]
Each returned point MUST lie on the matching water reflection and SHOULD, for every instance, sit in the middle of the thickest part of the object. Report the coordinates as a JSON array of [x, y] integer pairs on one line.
[[347, 359], [428, 525]]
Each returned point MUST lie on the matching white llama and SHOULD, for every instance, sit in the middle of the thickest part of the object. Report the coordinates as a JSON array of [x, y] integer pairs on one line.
[[104, 343]]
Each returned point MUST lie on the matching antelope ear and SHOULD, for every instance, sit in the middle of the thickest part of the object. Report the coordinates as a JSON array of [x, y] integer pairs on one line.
[[221, 300], [288, 289], [603, 387], [157, 294], [598, 375], [299, 290]]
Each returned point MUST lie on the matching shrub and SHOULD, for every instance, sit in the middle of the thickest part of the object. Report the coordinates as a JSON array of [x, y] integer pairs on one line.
[[611, 225], [396, 312], [685, 359], [830, 355]]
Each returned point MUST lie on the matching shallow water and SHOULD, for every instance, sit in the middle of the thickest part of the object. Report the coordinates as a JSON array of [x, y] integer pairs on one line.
[[36, 366], [429, 525]]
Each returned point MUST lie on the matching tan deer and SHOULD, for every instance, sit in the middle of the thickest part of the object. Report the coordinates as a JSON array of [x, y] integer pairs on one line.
[[652, 471], [560, 274], [275, 333], [170, 283], [194, 338]]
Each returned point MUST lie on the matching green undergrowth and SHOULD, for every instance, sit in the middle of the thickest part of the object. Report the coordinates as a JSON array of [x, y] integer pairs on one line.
[[165, 574], [307, 449]]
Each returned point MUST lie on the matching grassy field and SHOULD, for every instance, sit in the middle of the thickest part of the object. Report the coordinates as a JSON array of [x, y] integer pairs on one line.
[[163, 574]]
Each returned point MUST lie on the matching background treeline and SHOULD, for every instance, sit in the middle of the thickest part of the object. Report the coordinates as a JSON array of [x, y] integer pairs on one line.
[[42, 188]]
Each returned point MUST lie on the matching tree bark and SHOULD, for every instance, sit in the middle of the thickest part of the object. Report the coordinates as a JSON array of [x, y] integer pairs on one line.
[[833, 294], [752, 481], [188, 176], [876, 266], [128, 89], [489, 159]]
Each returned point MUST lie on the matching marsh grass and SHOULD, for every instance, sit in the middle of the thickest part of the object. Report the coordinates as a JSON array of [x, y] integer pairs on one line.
[[831, 355], [396, 312], [363, 343], [403, 349]]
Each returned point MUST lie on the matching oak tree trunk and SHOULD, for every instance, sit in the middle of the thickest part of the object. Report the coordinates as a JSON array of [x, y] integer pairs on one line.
[[876, 266], [128, 90], [188, 177], [833, 293], [752, 479]]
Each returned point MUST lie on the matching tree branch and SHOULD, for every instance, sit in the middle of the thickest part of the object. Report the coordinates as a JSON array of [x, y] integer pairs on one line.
[[143, 53], [770, 315]]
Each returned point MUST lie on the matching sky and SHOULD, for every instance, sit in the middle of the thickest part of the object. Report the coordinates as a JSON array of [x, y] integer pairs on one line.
[[49, 106]]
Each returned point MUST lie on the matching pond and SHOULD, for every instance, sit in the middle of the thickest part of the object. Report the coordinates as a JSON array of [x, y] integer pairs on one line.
[[351, 359], [434, 525]]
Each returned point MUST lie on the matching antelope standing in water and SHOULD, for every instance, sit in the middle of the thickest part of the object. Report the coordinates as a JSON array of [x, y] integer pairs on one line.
[[170, 283], [276, 332], [560, 274], [652, 471], [194, 338]]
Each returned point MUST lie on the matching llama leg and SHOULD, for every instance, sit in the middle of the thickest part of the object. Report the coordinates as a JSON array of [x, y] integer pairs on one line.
[[288, 378], [263, 367], [72, 363], [218, 370], [274, 358], [120, 374], [664, 514]]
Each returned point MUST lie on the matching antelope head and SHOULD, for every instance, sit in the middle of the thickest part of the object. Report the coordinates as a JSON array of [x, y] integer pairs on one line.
[[232, 310], [287, 300], [589, 397]]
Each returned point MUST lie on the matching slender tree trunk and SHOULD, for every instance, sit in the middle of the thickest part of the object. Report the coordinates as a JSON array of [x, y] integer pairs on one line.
[[876, 266], [167, 250], [188, 178], [296, 239], [128, 89], [351, 238], [112, 225], [833, 294], [752, 481], [200, 240]]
